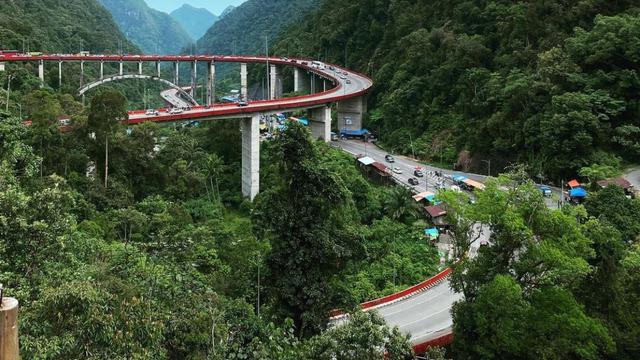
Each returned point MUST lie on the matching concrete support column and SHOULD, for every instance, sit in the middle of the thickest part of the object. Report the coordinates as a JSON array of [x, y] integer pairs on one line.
[[41, 72], [121, 68], [101, 70], [194, 78], [313, 83], [59, 74], [300, 83], [9, 349], [2, 66], [158, 68], [250, 128], [321, 123], [273, 82], [176, 73], [211, 84], [243, 82], [350, 113], [81, 73], [324, 85], [139, 67]]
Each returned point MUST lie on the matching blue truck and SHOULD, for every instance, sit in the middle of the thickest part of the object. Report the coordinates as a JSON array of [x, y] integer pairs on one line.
[[355, 134]]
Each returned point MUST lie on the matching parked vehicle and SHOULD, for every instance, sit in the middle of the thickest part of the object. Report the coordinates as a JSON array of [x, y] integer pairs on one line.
[[545, 190]]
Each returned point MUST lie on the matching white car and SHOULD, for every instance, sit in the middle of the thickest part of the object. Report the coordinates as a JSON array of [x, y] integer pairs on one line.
[[151, 112], [396, 170], [175, 111]]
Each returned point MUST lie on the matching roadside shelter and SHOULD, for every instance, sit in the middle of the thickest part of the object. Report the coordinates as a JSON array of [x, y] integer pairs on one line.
[[437, 214], [622, 182]]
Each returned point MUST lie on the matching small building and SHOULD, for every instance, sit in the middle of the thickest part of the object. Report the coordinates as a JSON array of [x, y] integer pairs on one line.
[[374, 170], [574, 184], [437, 214], [472, 185], [426, 197], [622, 182]]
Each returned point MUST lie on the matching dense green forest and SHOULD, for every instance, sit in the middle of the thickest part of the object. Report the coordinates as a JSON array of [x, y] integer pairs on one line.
[[59, 27], [243, 30], [153, 31], [547, 83]]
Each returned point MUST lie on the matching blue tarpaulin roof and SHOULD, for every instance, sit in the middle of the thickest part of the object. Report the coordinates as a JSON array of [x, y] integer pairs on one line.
[[432, 233], [578, 192]]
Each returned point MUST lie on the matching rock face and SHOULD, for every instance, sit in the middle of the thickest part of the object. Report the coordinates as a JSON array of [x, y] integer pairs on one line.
[[152, 30], [196, 21]]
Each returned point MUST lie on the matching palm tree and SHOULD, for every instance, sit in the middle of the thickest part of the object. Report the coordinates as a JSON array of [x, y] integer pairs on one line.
[[400, 205]]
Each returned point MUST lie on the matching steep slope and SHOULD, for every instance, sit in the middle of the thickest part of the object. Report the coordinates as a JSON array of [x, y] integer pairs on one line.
[[196, 21], [513, 82], [226, 11], [244, 28], [152, 30], [59, 26]]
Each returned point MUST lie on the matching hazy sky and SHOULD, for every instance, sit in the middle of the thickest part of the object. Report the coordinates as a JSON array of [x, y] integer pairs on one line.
[[215, 6]]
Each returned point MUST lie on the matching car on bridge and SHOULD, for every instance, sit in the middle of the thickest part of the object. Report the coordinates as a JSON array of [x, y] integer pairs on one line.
[[151, 112], [243, 103], [175, 111]]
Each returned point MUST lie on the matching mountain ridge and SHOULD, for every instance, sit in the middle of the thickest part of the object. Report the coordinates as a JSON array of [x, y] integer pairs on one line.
[[196, 21]]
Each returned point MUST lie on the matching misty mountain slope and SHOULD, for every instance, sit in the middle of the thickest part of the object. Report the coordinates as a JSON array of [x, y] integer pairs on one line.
[[152, 30]]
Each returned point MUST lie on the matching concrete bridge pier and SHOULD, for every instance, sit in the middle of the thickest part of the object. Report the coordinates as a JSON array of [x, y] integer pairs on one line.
[[320, 123], [176, 73], [250, 129], [59, 74], [194, 78], [41, 72], [121, 72], [211, 83], [158, 68], [275, 81], [350, 113], [139, 67], [313, 83], [101, 70], [243, 82], [81, 73], [300, 81], [2, 66]]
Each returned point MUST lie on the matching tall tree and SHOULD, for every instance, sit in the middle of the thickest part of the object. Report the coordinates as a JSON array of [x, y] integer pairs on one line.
[[307, 219], [108, 109]]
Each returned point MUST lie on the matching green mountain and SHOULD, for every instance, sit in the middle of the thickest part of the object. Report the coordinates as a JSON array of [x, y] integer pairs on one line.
[[152, 30], [243, 29], [226, 11], [547, 83], [196, 21], [59, 26]]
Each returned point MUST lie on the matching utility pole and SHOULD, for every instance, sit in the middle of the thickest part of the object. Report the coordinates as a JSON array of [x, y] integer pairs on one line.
[[488, 166]]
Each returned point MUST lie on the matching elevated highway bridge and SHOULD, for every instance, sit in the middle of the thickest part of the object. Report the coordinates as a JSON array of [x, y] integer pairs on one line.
[[422, 311]]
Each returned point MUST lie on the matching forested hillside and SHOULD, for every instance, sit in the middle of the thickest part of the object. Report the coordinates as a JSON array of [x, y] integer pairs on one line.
[[243, 29], [59, 26], [153, 31], [553, 84], [196, 21]]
